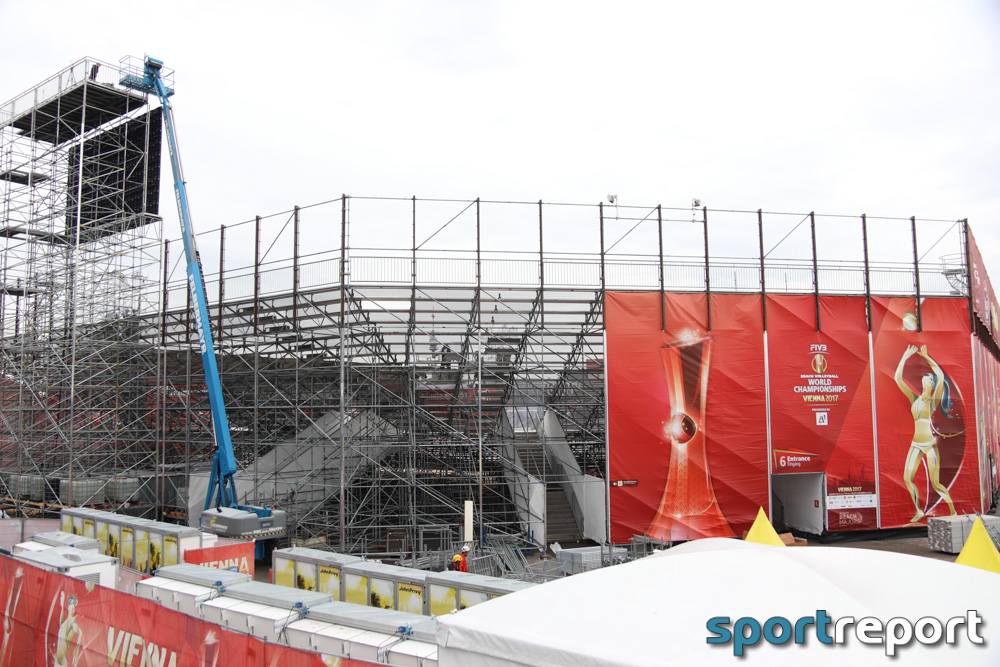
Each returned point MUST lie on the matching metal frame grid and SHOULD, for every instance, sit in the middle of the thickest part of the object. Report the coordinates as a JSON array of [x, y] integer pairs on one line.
[[79, 277], [414, 377]]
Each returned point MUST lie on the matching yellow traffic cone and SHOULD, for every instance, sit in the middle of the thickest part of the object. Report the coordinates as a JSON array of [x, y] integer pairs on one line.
[[979, 550], [762, 532]]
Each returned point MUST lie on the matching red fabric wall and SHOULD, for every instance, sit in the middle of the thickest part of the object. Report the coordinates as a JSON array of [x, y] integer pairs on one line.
[[821, 401], [732, 429], [688, 404], [945, 324], [49, 615]]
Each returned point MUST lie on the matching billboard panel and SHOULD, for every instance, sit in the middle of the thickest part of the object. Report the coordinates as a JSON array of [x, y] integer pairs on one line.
[[55, 619], [821, 401], [238, 557], [687, 415], [984, 299], [925, 403]]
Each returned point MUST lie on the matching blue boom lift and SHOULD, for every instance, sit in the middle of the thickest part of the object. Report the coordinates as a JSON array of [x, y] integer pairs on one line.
[[223, 514]]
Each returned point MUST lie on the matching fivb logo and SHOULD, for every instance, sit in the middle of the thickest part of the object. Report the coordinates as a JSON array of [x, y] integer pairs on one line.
[[896, 633]]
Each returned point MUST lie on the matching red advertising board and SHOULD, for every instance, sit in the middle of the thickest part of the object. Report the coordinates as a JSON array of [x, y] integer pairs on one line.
[[687, 415], [988, 419], [984, 299], [228, 557], [928, 454], [52, 619], [821, 401]]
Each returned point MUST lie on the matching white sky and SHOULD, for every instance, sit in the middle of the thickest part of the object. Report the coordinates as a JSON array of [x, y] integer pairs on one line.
[[887, 108]]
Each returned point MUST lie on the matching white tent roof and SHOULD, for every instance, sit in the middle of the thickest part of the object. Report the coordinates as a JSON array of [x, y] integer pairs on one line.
[[654, 611]]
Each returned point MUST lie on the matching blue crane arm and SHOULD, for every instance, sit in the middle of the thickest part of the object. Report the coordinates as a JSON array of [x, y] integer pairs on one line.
[[222, 487]]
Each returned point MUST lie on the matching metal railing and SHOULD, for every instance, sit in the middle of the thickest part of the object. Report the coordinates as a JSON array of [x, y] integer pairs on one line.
[[679, 275]]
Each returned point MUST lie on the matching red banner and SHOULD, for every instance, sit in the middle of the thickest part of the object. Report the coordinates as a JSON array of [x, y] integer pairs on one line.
[[984, 299], [228, 557], [821, 401], [925, 402], [988, 423], [687, 415], [52, 619]]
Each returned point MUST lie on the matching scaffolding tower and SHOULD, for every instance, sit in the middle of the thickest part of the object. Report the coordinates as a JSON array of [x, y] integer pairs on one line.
[[79, 186]]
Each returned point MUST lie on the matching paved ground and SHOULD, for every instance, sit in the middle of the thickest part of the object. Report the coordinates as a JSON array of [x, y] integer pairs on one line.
[[909, 542]]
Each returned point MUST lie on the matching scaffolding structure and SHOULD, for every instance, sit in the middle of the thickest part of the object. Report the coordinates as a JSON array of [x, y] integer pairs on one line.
[[384, 360], [374, 389], [79, 195]]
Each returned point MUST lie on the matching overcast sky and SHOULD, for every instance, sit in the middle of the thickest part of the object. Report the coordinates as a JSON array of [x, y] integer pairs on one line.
[[888, 108]]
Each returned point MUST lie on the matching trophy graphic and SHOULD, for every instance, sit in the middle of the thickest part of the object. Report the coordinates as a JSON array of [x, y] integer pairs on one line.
[[688, 508], [210, 650]]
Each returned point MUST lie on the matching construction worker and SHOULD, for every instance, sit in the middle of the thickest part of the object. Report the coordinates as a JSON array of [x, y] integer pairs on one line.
[[463, 564]]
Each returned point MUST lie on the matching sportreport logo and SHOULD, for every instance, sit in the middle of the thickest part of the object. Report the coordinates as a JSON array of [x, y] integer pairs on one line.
[[894, 634]]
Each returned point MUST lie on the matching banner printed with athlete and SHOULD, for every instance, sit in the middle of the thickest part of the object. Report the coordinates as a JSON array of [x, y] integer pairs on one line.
[[927, 446]]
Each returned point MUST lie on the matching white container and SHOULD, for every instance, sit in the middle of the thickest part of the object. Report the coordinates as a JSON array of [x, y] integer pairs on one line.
[[79, 520], [450, 591], [298, 634], [202, 575], [82, 565], [386, 586], [177, 540], [367, 645], [237, 617], [214, 610], [19, 488], [122, 489], [29, 547], [311, 569], [160, 591], [383, 621], [39, 490], [189, 597], [412, 653], [276, 596], [58, 538], [268, 623], [86, 491], [335, 639]]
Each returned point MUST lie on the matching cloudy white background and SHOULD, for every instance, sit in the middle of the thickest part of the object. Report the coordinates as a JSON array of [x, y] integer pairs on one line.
[[889, 108]]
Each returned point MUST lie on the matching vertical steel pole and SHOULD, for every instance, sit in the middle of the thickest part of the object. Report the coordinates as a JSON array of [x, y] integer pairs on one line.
[[708, 271], [479, 429], [967, 242], [222, 278], [663, 295], [868, 278], [541, 267], [74, 252], [411, 353], [763, 281], [479, 270], [343, 413], [600, 207], [812, 227], [295, 273], [916, 271], [166, 294], [256, 278], [479, 365], [256, 357]]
